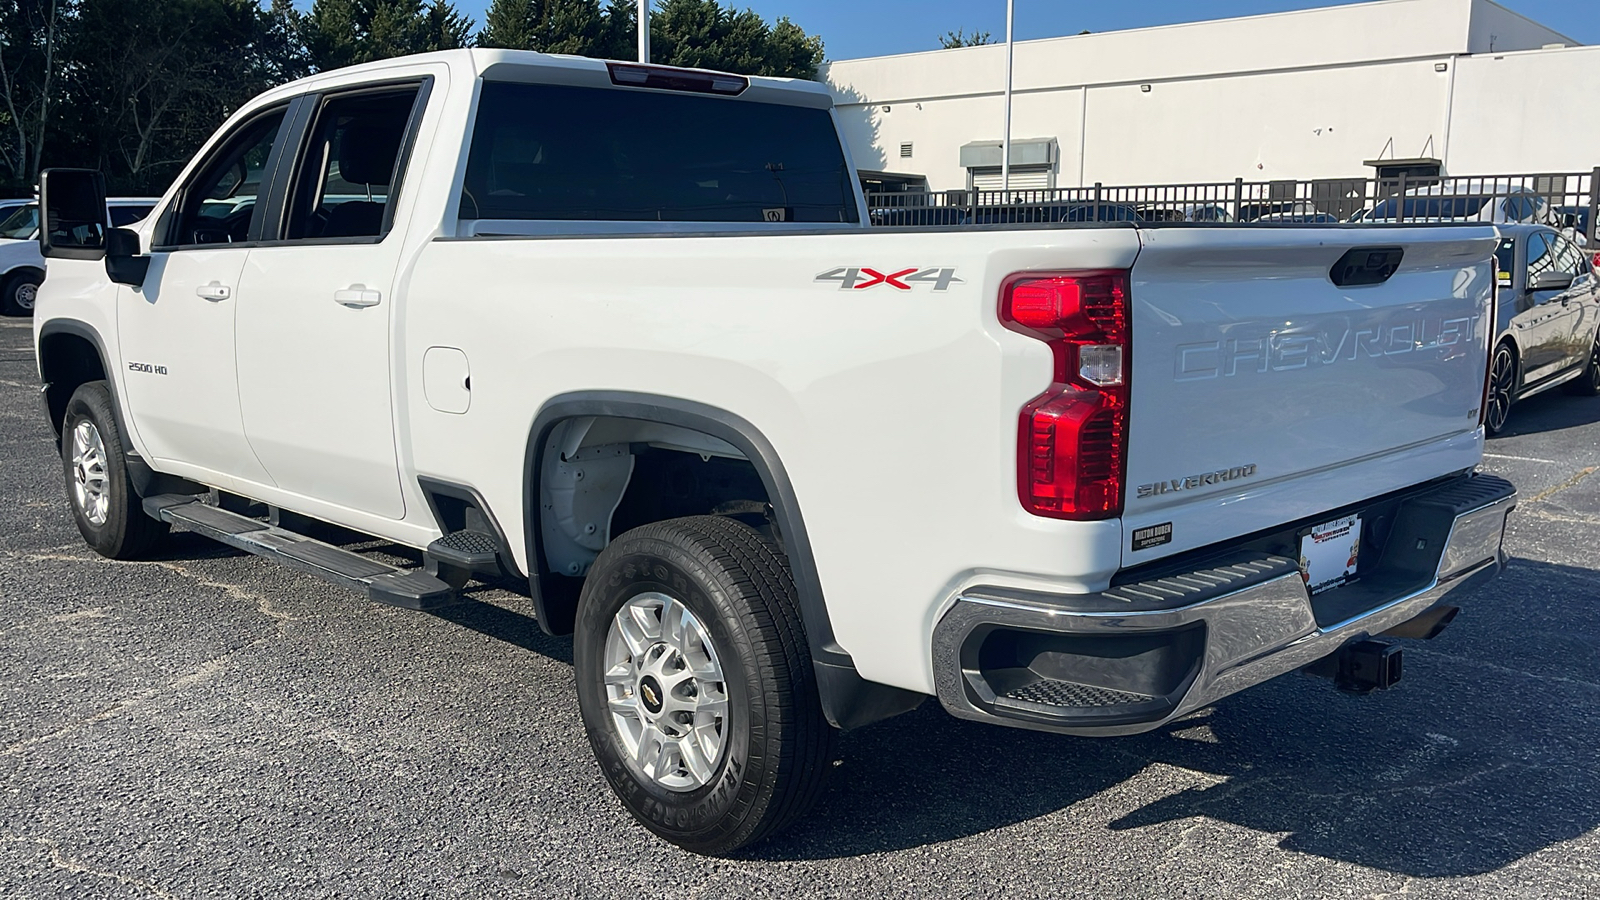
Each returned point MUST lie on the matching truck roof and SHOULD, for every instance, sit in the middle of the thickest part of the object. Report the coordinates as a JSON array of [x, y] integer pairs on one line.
[[558, 68]]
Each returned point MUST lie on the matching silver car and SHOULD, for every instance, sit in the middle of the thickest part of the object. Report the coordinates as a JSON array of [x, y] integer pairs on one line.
[[1549, 321]]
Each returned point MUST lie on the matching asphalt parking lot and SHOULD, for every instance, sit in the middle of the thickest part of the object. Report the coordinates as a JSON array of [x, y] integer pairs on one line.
[[207, 724]]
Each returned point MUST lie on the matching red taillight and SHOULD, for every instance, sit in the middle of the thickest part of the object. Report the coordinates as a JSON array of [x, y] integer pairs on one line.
[[1072, 447]]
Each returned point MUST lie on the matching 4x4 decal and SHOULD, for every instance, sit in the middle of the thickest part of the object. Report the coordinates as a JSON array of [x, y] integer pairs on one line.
[[855, 278]]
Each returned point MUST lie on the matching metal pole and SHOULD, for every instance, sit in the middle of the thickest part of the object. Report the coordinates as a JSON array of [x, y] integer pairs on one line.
[[1005, 139], [644, 31], [1594, 208]]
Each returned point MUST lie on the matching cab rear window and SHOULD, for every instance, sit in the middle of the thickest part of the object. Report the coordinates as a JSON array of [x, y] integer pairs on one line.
[[563, 152]]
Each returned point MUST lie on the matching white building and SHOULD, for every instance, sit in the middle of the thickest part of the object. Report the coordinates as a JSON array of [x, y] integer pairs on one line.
[[1467, 84]]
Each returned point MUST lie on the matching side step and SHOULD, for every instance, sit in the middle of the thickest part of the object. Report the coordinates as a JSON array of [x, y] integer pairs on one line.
[[383, 583]]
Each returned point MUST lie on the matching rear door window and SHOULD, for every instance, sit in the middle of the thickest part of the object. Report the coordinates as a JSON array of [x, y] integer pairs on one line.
[[1505, 257], [563, 152], [354, 159]]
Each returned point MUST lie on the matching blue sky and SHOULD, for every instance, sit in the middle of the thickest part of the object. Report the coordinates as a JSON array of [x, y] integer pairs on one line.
[[852, 28]]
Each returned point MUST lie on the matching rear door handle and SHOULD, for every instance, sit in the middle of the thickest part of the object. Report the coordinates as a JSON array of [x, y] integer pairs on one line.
[[357, 296], [214, 291]]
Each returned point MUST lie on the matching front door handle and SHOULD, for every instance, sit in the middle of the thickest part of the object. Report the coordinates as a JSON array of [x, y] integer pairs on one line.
[[357, 296], [214, 291]]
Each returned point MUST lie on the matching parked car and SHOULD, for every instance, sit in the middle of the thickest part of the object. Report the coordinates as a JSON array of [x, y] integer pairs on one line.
[[919, 215], [1300, 218], [1548, 333], [622, 333], [1057, 212], [1166, 212], [1251, 212], [1574, 222], [22, 266], [1466, 200]]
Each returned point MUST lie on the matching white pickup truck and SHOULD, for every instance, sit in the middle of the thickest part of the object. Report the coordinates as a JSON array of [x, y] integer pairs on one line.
[[621, 334]]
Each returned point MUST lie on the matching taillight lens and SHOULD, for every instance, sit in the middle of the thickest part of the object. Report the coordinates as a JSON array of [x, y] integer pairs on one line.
[[1072, 440]]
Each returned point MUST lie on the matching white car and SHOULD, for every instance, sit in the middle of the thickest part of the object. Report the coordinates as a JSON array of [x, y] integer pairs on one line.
[[623, 334], [22, 266], [1465, 200]]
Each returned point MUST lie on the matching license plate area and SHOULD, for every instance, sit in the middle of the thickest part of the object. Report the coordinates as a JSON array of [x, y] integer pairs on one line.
[[1329, 553]]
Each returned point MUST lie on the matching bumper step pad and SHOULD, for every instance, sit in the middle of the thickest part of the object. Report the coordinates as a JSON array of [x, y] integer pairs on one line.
[[381, 582]]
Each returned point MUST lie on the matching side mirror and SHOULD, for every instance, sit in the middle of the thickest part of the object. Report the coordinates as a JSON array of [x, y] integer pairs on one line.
[[1551, 281], [72, 221], [124, 265]]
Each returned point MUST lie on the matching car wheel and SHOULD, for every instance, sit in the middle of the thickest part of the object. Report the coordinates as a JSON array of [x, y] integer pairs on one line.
[[103, 500], [696, 685], [18, 293], [1588, 384], [1502, 381]]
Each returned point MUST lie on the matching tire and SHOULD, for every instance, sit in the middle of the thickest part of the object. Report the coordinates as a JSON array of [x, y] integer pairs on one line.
[[1502, 388], [728, 780], [1588, 384], [101, 495], [17, 294]]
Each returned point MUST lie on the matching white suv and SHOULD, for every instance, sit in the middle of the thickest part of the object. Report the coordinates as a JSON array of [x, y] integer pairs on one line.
[[21, 265]]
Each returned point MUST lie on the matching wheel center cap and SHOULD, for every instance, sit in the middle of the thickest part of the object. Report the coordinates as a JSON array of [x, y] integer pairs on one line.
[[650, 693]]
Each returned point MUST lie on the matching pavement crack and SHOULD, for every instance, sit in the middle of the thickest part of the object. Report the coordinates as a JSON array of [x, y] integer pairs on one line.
[[1570, 482], [262, 602], [204, 671], [61, 860]]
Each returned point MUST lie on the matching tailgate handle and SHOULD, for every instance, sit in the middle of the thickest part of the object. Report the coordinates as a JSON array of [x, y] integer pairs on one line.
[[1366, 265]]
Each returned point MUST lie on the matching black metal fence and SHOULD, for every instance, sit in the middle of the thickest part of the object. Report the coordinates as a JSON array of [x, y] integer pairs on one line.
[[1564, 200]]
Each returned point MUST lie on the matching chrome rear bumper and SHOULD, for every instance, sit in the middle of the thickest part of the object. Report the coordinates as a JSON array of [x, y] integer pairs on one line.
[[1136, 656]]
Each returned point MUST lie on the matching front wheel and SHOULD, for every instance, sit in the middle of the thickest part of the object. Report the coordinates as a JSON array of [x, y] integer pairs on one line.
[[695, 684], [104, 503], [1502, 381], [18, 293], [1588, 384]]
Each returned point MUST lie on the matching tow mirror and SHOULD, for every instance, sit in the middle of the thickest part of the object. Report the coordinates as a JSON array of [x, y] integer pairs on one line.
[[72, 221], [1551, 281]]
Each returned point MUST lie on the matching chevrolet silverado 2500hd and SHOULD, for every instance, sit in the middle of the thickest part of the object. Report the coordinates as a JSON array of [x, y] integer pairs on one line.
[[622, 333]]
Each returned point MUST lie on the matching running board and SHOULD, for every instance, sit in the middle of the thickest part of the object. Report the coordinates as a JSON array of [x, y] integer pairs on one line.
[[381, 582]]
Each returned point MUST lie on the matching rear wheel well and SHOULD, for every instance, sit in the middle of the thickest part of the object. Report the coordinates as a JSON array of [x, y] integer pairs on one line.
[[601, 476], [67, 362]]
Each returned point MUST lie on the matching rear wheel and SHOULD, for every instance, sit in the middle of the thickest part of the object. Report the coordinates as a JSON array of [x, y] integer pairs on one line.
[[18, 293], [1588, 384], [103, 500], [1502, 381], [695, 683]]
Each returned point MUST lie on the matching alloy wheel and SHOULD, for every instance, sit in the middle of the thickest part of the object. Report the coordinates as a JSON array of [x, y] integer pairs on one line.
[[91, 486], [1502, 377], [665, 692]]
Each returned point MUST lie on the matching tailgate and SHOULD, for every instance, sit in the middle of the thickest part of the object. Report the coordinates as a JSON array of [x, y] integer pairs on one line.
[[1263, 393]]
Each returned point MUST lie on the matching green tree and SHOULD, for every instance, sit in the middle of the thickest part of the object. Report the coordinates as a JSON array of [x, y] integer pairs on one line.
[[959, 38], [32, 34], [705, 34], [338, 33], [148, 81], [697, 33]]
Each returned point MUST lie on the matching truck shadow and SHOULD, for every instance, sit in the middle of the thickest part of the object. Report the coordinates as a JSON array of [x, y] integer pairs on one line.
[[1470, 764], [1553, 410]]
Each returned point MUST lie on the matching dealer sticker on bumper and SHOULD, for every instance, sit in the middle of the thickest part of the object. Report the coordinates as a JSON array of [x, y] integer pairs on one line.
[[1328, 553]]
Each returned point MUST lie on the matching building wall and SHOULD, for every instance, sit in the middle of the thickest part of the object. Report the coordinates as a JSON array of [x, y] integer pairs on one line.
[[1301, 95], [1526, 112]]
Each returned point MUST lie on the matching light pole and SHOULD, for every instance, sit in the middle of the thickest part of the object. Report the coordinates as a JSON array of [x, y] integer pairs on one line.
[[1005, 138], [644, 31]]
